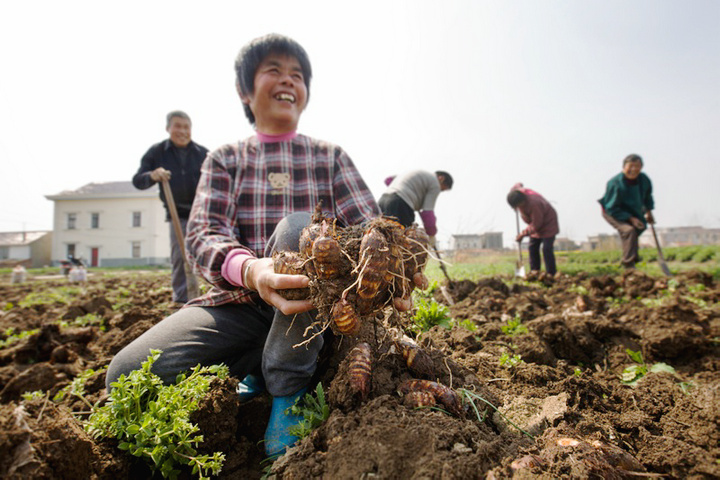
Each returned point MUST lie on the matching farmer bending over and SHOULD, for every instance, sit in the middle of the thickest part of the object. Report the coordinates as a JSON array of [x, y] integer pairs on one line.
[[413, 191], [627, 206], [542, 227]]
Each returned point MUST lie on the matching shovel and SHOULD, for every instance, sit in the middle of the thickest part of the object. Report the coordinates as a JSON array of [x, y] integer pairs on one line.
[[661, 258], [519, 267], [192, 286], [443, 290]]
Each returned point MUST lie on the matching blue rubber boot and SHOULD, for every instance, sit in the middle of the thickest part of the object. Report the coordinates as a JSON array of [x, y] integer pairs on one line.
[[250, 387], [277, 438]]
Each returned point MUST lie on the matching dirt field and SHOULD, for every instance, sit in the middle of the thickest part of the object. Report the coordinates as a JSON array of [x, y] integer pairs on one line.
[[548, 402]]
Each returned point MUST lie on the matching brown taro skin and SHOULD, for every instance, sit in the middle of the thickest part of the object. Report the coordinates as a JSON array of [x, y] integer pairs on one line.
[[445, 396], [373, 264], [345, 318], [361, 369]]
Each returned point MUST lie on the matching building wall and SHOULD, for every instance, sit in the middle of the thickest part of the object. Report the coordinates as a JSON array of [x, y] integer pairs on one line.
[[41, 251], [115, 234]]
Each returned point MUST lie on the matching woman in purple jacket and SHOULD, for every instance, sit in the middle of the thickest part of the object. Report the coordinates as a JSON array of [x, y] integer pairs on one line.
[[542, 227]]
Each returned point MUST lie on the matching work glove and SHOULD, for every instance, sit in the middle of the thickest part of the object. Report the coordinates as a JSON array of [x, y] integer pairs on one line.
[[431, 242]]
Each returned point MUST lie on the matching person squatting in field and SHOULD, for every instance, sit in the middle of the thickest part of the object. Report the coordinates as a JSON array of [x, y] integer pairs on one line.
[[413, 191], [254, 198], [542, 227], [627, 205]]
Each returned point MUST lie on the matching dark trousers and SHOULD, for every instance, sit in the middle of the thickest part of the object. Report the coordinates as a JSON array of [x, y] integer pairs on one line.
[[247, 338], [391, 205], [548, 254], [179, 280], [629, 239]]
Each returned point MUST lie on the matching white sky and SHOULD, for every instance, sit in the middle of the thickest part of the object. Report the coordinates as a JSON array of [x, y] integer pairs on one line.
[[550, 93]]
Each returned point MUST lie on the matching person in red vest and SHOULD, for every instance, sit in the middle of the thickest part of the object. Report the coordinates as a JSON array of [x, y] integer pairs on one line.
[[542, 227]]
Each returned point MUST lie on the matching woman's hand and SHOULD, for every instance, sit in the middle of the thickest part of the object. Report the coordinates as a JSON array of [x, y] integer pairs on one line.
[[261, 277]]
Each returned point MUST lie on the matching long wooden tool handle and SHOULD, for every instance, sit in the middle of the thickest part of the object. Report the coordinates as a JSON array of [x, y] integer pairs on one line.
[[174, 216], [517, 226], [191, 282], [657, 243]]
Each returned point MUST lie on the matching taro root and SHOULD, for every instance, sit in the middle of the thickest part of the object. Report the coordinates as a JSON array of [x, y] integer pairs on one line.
[[419, 399], [445, 396], [291, 263], [345, 318], [416, 359], [360, 369], [357, 271], [373, 264], [326, 254]]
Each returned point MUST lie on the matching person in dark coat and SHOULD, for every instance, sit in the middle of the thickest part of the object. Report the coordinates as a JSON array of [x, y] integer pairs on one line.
[[178, 160]]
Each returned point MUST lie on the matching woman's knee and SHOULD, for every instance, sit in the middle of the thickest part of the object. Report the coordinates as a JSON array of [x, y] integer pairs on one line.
[[286, 236]]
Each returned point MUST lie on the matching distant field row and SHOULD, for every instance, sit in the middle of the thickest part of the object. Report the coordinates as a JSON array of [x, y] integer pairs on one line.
[[700, 257], [705, 258]]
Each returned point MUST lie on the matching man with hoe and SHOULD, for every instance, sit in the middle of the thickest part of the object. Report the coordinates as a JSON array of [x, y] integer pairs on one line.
[[627, 205], [177, 160]]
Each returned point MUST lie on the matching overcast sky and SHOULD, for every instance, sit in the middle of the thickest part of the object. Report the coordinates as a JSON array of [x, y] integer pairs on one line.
[[553, 94]]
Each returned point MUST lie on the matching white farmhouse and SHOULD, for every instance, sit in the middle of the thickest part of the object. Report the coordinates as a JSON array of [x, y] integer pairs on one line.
[[110, 224]]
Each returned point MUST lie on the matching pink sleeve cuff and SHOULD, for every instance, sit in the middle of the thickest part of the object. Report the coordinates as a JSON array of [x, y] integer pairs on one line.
[[428, 219], [232, 266]]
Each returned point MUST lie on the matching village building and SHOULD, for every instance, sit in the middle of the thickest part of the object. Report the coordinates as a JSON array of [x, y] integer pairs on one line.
[[29, 249], [681, 236], [482, 241], [110, 224]]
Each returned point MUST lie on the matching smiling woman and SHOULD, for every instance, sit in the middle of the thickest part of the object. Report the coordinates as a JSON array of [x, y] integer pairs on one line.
[[254, 198]]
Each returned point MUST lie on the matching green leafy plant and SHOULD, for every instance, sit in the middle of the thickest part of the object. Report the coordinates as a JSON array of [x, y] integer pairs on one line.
[[85, 320], [16, 337], [467, 324], [34, 395], [579, 289], [151, 420], [514, 327], [634, 373], [314, 411], [77, 387], [62, 295], [510, 361], [428, 312]]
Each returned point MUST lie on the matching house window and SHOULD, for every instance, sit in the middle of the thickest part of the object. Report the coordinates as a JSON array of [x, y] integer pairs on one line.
[[70, 250], [4, 253], [71, 221], [135, 249], [136, 219], [94, 220]]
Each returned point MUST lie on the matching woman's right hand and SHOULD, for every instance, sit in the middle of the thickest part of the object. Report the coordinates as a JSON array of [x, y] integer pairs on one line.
[[261, 277]]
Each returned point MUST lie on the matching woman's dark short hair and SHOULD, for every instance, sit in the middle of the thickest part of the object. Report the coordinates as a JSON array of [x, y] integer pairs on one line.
[[633, 157], [447, 178], [253, 54], [515, 198]]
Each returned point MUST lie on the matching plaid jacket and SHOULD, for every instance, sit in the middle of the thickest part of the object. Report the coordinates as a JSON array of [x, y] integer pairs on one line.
[[246, 188]]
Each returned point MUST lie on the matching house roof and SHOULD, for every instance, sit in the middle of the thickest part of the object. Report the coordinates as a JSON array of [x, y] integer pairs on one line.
[[104, 190], [16, 239]]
